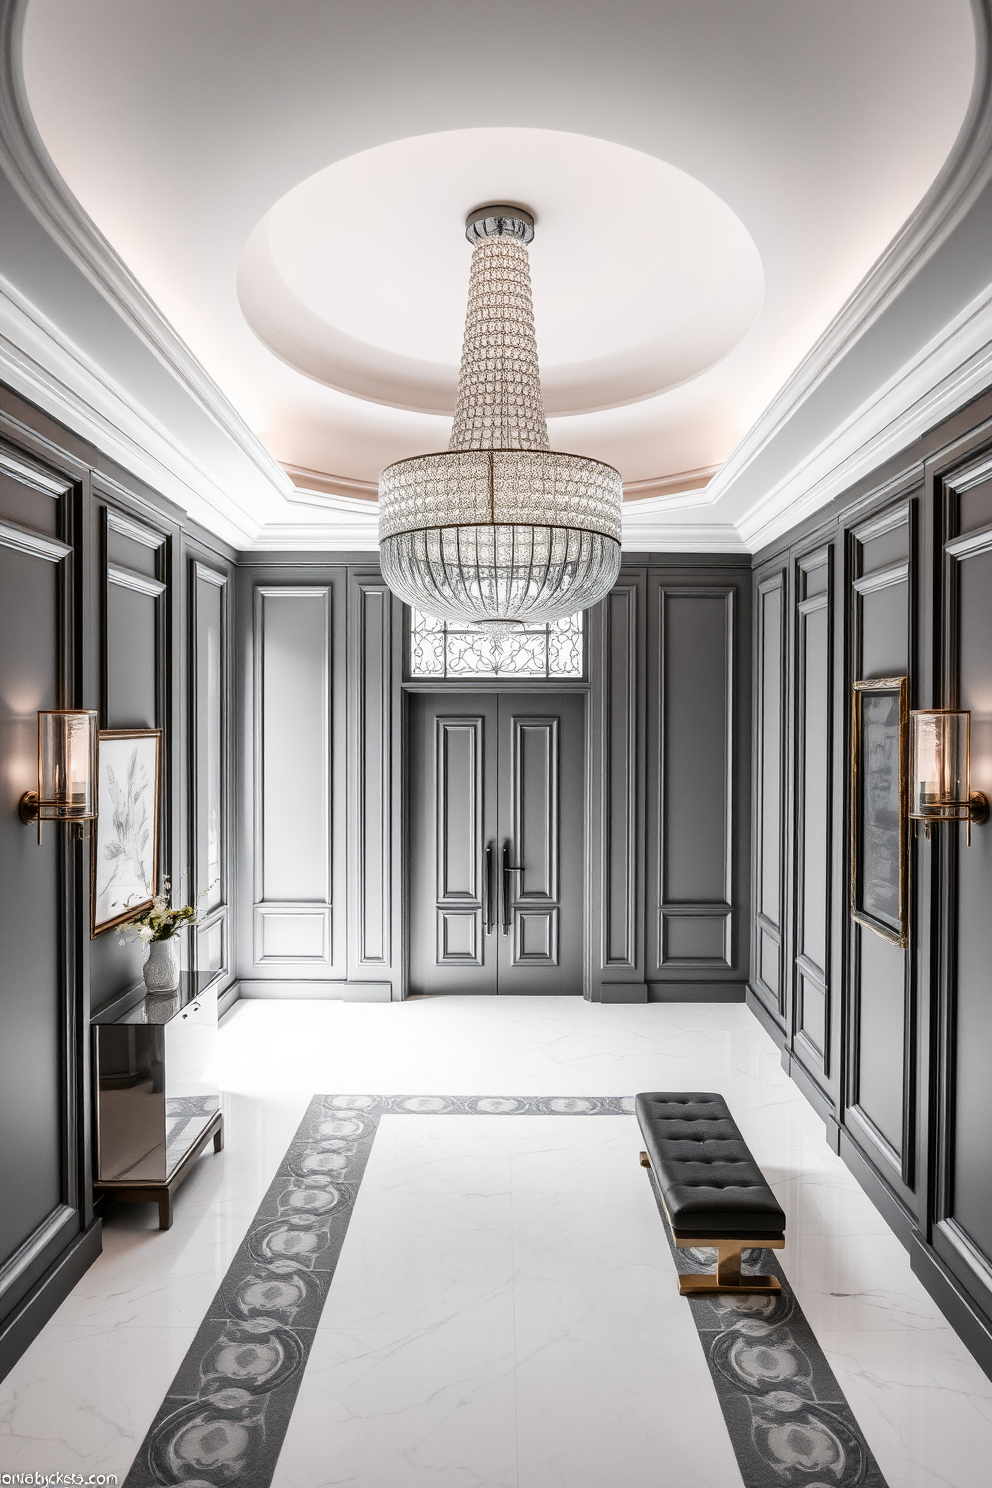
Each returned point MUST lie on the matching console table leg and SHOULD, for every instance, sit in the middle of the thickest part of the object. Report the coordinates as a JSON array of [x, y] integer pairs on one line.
[[219, 1138], [165, 1210]]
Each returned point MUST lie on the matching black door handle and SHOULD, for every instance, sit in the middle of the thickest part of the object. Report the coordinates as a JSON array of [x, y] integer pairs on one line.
[[506, 869], [488, 922]]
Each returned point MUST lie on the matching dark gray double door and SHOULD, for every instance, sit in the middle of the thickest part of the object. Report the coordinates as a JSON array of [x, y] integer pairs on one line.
[[496, 842]]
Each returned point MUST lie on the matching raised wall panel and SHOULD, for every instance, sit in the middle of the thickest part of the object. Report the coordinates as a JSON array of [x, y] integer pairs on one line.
[[133, 673], [966, 1207], [40, 1103], [769, 780], [620, 796], [814, 807], [695, 940], [289, 933], [209, 783], [371, 776], [695, 779], [881, 1006], [136, 661], [293, 772], [212, 946]]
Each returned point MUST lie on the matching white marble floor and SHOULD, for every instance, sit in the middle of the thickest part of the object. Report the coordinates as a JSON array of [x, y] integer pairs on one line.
[[503, 1316], [464, 1341]]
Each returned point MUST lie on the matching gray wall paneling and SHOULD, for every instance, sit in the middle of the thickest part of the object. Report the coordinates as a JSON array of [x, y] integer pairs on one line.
[[47, 1232], [771, 845], [697, 783], [962, 1217], [331, 791], [813, 724], [903, 1084], [669, 655], [140, 664], [880, 1022], [211, 752], [124, 633], [368, 686], [298, 914], [375, 761], [615, 917]]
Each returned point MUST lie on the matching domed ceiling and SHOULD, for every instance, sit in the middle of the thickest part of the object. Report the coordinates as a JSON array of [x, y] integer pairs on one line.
[[289, 181]]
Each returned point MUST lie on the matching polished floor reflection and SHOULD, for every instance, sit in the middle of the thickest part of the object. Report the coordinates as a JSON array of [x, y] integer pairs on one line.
[[504, 1311]]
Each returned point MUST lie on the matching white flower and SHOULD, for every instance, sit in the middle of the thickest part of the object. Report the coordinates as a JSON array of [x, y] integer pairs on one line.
[[145, 932]]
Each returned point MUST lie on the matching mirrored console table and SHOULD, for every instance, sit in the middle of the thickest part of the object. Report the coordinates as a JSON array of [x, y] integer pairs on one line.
[[157, 1107]]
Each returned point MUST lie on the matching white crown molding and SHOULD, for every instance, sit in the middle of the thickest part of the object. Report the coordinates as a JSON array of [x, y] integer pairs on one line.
[[679, 484], [38, 361], [649, 528], [352, 522], [302, 537], [965, 174], [952, 368], [35, 176], [349, 522], [322, 483]]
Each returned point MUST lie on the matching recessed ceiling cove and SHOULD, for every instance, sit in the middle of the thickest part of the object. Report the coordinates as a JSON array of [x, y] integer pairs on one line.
[[289, 184], [643, 278]]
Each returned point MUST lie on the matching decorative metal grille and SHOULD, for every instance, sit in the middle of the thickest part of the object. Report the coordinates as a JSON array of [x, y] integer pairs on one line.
[[444, 649]]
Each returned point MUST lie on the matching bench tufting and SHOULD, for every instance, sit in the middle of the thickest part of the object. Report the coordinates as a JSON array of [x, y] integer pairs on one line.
[[713, 1191]]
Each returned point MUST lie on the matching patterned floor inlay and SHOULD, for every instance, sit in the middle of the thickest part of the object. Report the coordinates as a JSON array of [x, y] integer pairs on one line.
[[787, 1416], [227, 1411]]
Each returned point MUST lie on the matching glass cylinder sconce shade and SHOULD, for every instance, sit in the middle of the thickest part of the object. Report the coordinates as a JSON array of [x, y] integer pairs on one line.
[[67, 742], [940, 768]]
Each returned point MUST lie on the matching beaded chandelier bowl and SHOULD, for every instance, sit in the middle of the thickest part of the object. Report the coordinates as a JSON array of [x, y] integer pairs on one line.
[[500, 529]]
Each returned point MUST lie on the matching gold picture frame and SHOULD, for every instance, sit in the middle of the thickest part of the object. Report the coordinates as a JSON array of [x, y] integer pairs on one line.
[[880, 807], [124, 871]]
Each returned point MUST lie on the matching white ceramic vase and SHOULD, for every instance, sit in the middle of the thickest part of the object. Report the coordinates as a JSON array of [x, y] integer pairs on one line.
[[161, 970]]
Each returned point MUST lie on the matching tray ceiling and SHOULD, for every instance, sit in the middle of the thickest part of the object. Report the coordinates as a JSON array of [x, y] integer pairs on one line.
[[288, 182]]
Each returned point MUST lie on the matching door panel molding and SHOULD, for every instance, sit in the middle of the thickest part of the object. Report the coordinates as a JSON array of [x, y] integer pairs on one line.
[[542, 841], [465, 816]]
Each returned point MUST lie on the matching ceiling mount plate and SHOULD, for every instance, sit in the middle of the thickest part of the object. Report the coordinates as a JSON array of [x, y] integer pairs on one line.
[[500, 220]]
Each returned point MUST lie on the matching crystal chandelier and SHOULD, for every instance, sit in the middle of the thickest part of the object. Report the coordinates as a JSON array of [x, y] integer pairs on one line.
[[500, 529]]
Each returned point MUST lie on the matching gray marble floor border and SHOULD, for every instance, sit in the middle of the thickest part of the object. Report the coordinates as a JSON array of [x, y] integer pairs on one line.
[[227, 1411]]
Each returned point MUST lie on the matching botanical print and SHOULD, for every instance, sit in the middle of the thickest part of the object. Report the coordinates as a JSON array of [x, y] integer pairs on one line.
[[125, 851]]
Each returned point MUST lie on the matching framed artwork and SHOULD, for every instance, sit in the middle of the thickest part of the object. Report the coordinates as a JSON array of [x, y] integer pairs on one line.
[[125, 834], [879, 806]]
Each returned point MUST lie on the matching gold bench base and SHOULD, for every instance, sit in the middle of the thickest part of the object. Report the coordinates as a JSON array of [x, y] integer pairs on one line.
[[728, 1276]]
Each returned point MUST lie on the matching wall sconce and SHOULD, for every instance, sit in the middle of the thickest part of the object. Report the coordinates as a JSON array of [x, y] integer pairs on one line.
[[940, 769], [66, 769]]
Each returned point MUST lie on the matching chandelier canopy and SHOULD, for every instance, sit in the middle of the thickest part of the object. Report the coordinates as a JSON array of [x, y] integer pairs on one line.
[[500, 529]]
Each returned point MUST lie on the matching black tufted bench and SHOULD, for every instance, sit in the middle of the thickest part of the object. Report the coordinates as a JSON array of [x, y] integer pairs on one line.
[[713, 1191]]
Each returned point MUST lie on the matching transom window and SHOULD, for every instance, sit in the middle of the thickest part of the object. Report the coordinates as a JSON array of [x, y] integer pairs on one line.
[[440, 649]]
